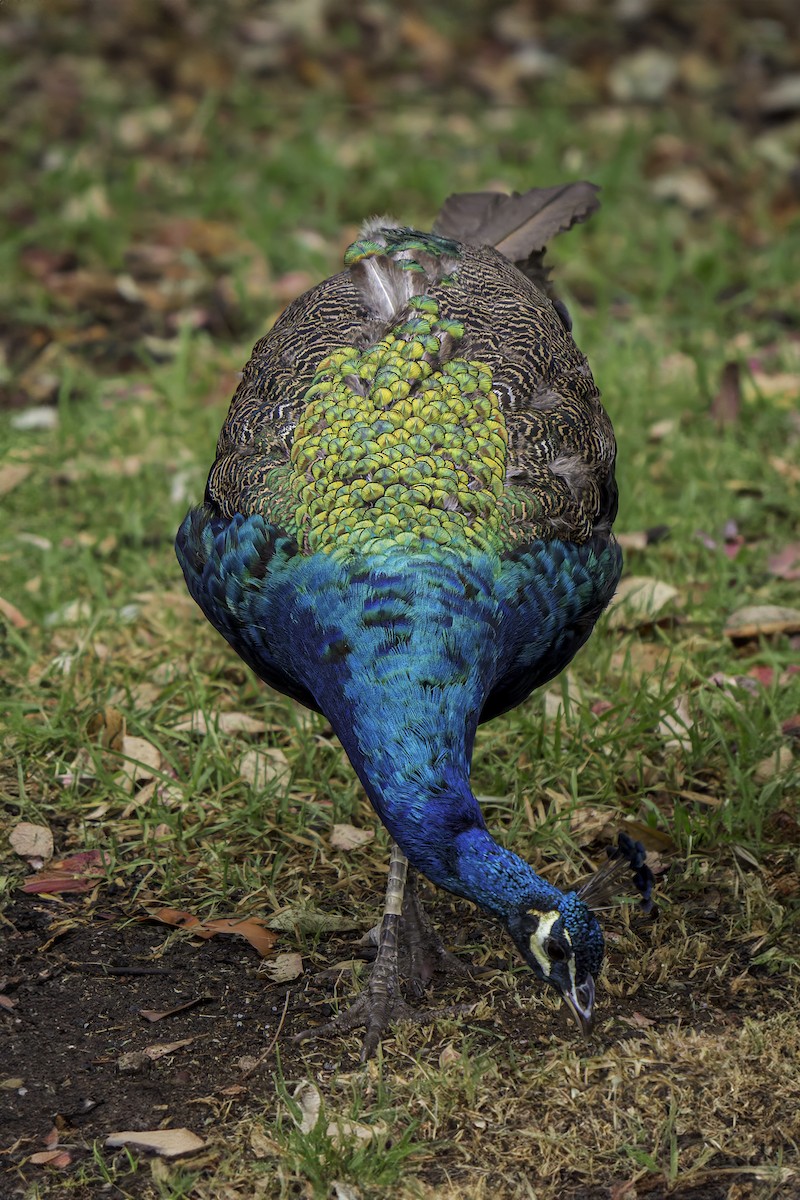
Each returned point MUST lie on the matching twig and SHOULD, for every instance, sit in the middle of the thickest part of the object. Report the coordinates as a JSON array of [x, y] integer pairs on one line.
[[262, 1058]]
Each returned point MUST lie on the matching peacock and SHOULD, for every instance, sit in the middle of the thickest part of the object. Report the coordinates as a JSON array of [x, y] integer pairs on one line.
[[408, 528]]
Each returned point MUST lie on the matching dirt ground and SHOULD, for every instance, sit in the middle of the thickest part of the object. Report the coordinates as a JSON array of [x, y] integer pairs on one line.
[[78, 1047]]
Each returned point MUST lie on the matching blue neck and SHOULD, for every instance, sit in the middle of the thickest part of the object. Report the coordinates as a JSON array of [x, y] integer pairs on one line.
[[405, 701]]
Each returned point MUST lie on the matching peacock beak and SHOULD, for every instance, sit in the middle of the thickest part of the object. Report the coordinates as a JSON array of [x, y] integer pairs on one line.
[[580, 1001]]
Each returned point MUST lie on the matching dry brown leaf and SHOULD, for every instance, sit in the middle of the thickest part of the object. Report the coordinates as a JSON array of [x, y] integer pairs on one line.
[[782, 388], [660, 430], [153, 1014], [726, 406], [310, 920], [587, 822], [786, 564], [12, 475], [51, 1158], [641, 601], [160, 1049], [642, 659], [168, 1143], [225, 722], [252, 929], [78, 873], [637, 540], [448, 1056], [744, 854], [307, 1096], [283, 968], [176, 917], [31, 841], [675, 726], [762, 620], [12, 614], [260, 767], [778, 763], [144, 761], [700, 798], [638, 1021], [108, 728], [347, 837]]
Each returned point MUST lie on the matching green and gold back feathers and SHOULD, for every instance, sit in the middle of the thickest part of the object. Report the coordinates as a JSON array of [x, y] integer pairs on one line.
[[429, 393]]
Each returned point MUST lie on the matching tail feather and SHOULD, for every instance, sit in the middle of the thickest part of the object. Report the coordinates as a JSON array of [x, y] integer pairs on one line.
[[520, 224]]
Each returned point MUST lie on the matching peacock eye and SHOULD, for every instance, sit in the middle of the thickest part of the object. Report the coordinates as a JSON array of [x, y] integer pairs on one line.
[[554, 950]]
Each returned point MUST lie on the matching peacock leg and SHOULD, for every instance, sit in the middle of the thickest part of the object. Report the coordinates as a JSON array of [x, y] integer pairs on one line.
[[381, 1004], [426, 950]]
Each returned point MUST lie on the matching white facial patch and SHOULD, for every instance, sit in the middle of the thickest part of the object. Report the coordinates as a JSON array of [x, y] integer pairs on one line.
[[538, 938]]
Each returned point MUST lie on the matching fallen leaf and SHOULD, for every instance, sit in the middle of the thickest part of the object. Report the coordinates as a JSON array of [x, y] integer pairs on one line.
[[31, 841], [12, 475], [307, 1096], [108, 728], [224, 722], [343, 1191], [12, 614], [144, 760], [347, 837], [660, 430], [781, 388], [762, 620], [260, 767], [745, 855], [764, 675], [448, 1056], [160, 1049], [168, 1143], [252, 929], [51, 1158], [283, 968], [153, 1014], [38, 416], [176, 917], [633, 541], [12, 1084], [310, 920], [791, 726], [75, 612], [78, 873], [638, 1021], [586, 822], [786, 564], [688, 186], [777, 764], [641, 601], [726, 406], [674, 727], [645, 75]]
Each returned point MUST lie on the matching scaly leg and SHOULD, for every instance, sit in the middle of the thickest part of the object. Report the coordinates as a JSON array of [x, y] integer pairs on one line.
[[425, 948], [380, 1004]]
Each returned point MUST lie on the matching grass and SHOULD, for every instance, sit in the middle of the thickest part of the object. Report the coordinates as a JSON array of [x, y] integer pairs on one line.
[[662, 299]]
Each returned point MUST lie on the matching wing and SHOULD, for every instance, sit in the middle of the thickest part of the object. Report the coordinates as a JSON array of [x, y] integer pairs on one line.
[[236, 570]]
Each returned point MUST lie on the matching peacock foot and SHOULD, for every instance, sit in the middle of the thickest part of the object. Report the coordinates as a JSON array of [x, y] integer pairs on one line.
[[426, 951], [379, 1006]]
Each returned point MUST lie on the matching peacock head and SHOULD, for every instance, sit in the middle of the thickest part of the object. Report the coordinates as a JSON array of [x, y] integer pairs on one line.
[[563, 945]]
